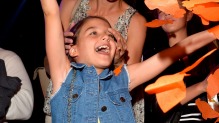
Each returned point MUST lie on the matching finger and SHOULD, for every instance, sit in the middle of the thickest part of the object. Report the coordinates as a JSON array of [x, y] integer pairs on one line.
[[68, 41], [68, 34], [117, 55], [67, 47], [122, 44], [66, 51], [2, 69], [119, 44], [115, 33], [117, 36], [120, 40]]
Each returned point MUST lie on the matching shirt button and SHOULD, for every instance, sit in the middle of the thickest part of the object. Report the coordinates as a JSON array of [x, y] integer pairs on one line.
[[104, 108], [90, 71], [75, 95], [122, 99]]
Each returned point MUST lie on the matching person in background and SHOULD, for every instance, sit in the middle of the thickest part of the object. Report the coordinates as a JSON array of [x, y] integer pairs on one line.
[[186, 111], [21, 103]]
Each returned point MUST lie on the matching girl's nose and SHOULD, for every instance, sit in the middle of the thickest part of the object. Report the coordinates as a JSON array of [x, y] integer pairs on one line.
[[106, 38]]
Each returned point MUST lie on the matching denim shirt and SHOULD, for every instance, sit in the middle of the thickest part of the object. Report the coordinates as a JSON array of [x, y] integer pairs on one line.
[[92, 96]]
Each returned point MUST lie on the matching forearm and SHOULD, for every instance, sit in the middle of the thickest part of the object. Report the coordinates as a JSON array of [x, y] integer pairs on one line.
[[196, 41], [50, 7], [193, 91]]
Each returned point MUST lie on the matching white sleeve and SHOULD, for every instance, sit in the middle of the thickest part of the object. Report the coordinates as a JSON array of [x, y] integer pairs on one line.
[[125, 67], [22, 102]]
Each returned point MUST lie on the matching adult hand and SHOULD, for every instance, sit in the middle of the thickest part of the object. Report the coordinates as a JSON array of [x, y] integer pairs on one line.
[[68, 39], [121, 48]]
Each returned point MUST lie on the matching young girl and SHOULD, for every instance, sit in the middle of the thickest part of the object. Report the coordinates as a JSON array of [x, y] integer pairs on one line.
[[87, 90]]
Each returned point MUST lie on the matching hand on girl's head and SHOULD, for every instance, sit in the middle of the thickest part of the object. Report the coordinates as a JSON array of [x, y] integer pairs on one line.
[[121, 46], [68, 41]]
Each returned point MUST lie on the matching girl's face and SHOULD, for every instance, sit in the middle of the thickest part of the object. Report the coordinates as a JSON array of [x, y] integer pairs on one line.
[[178, 23], [95, 45]]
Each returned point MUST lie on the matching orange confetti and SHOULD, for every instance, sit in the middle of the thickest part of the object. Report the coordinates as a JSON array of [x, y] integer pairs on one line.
[[205, 109], [204, 21], [191, 3], [117, 71], [197, 62], [215, 31], [168, 6], [207, 11], [168, 99], [157, 23], [172, 86], [213, 83], [165, 83]]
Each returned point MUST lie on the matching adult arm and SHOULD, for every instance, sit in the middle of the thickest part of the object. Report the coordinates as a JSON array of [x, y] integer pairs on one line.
[[21, 106], [194, 90], [136, 38], [142, 72]]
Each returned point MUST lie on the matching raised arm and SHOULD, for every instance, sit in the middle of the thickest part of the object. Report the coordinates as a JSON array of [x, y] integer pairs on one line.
[[142, 72], [58, 61]]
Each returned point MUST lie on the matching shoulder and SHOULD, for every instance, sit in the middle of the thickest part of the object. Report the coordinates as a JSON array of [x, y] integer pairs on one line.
[[136, 15], [137, 18], [8, 55]]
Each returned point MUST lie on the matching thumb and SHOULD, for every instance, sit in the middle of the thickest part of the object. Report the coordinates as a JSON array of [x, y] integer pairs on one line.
[[2, 68]]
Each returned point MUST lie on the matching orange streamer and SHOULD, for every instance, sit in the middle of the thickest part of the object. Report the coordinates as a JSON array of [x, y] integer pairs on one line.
[[207, 111], [172, 86]]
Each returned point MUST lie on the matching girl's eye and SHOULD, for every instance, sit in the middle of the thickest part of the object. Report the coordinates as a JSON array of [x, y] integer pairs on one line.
[[112, 37], [93, 33]]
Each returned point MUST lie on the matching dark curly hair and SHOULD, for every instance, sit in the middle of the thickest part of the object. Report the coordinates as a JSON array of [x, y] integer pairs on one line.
[[77, 27]]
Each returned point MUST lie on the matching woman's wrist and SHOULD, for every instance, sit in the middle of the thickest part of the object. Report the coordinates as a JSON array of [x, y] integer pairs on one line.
[[202, 86]]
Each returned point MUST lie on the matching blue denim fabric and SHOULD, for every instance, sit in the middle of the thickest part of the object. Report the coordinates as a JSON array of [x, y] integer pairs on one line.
[[103, 96]]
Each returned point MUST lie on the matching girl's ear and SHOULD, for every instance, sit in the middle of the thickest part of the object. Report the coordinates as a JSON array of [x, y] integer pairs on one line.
[[73, 51], [189, 15]]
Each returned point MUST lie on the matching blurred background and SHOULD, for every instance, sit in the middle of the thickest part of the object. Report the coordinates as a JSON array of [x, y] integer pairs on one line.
[[22, 31]]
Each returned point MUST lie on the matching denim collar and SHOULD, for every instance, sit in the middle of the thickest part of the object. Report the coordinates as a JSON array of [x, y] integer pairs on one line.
[[107, 73]]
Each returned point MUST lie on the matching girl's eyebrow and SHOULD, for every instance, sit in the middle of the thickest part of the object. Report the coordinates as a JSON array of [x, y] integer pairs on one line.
[[89, 28]]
